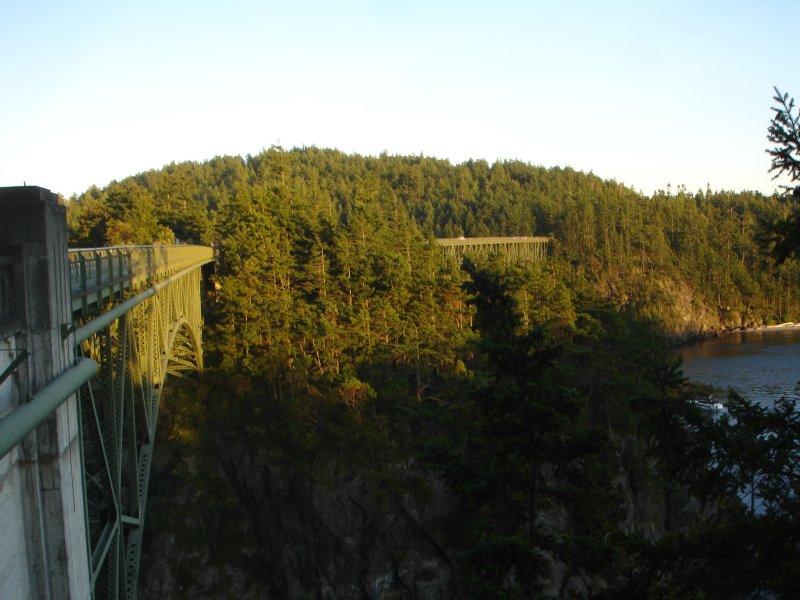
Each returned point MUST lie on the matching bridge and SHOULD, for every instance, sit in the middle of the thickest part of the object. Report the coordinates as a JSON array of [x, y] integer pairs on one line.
[[526, 247], [88, 338]]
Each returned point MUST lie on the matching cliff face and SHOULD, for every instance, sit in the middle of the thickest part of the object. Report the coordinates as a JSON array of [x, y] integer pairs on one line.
[[687, 315], [333, 535], [683, 312], [350, 537], [341, 533]]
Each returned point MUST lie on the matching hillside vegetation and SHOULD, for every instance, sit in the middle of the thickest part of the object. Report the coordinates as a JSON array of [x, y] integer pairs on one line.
[[377, 420], [691, 261]]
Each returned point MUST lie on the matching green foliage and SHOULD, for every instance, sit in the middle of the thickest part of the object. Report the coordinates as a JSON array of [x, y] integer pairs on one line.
[[784, 132], [566, 405], [783, 235], [673, 255], [747, 545]]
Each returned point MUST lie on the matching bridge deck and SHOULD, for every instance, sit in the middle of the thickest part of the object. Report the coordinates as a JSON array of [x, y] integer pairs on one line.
[[98, 274]]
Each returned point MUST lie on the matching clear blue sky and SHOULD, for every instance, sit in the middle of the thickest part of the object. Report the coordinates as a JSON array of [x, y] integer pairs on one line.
[[648, 93]]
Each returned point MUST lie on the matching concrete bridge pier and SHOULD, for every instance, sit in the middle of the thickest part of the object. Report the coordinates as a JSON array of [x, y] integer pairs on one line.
[[43, 546]]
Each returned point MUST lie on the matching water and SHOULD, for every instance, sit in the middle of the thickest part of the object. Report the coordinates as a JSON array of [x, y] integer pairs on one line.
[[761, 365]]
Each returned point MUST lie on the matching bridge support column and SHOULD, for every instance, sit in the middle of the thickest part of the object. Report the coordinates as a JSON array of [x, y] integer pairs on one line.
[[43, 548]]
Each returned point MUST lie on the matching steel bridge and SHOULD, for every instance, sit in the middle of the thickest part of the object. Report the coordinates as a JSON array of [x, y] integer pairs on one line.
[[88, 338], [525, 247]]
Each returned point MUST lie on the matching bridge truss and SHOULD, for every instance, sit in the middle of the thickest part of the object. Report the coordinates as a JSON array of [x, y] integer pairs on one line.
[[137, 345], [525, 247]]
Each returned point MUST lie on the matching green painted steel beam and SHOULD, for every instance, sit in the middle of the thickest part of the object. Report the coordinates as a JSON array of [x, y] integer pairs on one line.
[[130, 521], [19, 423]]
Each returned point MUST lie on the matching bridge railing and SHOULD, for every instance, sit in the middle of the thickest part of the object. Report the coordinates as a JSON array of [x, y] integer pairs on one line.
[[98, 274]]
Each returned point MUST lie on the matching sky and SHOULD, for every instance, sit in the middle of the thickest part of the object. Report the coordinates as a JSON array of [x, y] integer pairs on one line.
[[646, 93]]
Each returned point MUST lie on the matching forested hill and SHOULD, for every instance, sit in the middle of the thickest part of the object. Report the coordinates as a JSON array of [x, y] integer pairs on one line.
[[376, 421], [692, 261]]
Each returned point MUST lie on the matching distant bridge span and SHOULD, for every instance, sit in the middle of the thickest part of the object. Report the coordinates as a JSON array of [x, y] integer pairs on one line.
[[534, 248], [87, 340]]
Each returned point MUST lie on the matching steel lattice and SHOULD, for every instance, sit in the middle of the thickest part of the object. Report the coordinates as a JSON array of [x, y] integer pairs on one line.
[[157, 338]]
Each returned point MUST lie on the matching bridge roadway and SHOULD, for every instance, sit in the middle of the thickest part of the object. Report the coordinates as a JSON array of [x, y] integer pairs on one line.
[[88, 338]]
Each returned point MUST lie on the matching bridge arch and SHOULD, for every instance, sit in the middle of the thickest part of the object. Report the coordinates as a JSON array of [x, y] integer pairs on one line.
[[183, 344]]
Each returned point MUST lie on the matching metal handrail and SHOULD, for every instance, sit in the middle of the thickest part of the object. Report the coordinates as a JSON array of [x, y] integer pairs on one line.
[[98, 274], [25, 418]]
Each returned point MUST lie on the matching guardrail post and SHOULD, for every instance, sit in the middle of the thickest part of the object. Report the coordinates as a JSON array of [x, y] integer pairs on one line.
[[98, 276], [84, 300], [43, 549], [121, 268], [110, 261], [129, 259]]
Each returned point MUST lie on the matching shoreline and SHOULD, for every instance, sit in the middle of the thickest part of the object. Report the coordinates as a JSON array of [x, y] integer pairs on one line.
[[787, 325], [694, 337]]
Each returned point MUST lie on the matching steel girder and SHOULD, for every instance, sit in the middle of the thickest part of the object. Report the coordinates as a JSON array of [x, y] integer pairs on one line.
[[137, 351]]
